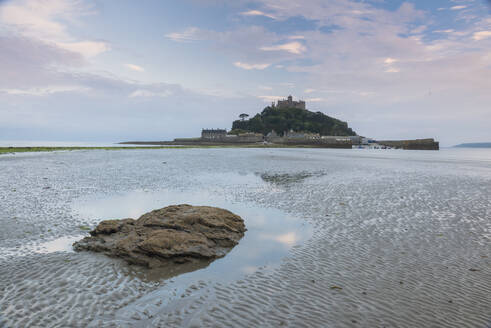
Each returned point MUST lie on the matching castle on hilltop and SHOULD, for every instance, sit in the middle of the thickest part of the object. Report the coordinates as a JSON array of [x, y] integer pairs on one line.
[[289, 103]]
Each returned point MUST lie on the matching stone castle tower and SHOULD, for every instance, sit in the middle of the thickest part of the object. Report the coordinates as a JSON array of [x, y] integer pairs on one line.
[[289, 103]]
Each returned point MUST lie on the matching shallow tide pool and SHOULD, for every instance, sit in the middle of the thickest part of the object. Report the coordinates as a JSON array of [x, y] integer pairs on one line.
[[270, 232]]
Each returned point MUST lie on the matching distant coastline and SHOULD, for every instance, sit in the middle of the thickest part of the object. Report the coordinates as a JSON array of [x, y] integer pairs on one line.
[[474, 145]]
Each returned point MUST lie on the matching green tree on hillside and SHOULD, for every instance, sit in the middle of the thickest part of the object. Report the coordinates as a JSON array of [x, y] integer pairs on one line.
[[243, 116]]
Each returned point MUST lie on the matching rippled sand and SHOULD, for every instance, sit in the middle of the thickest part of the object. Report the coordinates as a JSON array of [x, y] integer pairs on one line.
[[364, 239]]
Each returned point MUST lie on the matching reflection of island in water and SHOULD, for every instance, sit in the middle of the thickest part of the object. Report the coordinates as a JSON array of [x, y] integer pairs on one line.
[[270, 232], [285, 179]]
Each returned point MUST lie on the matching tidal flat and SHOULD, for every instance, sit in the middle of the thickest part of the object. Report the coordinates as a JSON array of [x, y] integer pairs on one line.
[[35, 149], [336, 238]]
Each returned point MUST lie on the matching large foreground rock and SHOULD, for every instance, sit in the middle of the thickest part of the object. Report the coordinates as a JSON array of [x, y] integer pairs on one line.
[[174, 234]]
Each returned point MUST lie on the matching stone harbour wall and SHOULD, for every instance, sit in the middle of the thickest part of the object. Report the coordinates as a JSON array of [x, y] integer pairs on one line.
[[416, 144]]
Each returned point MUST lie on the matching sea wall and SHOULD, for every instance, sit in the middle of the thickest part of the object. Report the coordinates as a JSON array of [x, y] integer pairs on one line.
[[246, 138], [313, 142], [416, 144], [319, 143], [324, 142], [187, 140]]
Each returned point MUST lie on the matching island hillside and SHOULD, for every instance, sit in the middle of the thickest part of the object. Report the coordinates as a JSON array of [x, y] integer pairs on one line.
[[282, 120], [288, 123]]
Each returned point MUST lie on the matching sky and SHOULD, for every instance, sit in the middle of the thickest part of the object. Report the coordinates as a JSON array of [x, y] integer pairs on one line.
[[105, 70]]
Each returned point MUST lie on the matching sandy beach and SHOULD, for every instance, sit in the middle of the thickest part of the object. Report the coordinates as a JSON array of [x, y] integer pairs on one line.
[[336, 238]]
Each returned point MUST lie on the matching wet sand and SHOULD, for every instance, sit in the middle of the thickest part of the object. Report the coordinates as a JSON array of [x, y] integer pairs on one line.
[[337, 238]]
